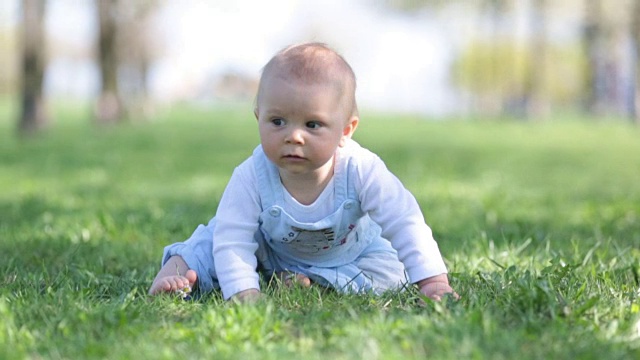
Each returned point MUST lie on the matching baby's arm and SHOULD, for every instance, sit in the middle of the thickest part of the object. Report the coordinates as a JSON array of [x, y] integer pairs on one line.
[[436, 287], [398, 213], [174, 275]]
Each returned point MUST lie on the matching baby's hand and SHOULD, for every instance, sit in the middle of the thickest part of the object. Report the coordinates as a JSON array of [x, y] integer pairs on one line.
[[436, 287], [249, 296], [173, 283]]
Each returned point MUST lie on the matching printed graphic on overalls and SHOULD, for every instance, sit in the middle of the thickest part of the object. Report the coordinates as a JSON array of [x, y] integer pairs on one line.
[[314, 241]]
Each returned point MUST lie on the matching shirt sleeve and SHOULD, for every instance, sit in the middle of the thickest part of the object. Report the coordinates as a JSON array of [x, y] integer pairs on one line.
[[234, 245], [396, 210]]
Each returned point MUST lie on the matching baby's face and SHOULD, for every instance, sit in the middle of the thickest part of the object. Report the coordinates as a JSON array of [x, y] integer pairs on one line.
[[301, 125]]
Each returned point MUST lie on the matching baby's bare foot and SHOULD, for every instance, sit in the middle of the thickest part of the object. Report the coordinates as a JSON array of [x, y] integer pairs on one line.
[[174, 283], [290, 279]]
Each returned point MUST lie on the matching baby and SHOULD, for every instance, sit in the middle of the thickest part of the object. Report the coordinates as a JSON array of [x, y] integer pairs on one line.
[[310, 204]]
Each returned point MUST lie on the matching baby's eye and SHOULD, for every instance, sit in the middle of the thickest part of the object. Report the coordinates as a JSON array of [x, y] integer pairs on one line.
[[313, 125], [277, 122]]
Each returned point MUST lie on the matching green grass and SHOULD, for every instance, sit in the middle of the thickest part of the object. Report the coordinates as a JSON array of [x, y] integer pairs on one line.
[[539, 225]]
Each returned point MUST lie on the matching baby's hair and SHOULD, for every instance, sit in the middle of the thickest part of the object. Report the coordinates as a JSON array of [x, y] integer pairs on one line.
[[313, 63]]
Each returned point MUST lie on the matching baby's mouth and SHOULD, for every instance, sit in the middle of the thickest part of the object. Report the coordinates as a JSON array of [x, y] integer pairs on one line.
[[293, 157]]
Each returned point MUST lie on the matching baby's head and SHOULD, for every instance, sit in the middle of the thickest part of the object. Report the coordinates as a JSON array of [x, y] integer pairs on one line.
[[312, 64], [306, 109]]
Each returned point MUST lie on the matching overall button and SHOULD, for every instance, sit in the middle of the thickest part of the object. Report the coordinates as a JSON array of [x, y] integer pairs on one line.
[[348, 205], [274, 212]]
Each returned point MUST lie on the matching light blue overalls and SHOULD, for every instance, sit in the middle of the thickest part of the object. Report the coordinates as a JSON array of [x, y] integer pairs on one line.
[[344, 250]]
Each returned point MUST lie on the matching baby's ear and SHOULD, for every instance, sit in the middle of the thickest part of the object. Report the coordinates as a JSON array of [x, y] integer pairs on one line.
[[349, 129]]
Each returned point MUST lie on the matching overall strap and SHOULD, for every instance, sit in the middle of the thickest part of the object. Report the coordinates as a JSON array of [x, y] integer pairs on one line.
[[269, 185], [346, 172], [344, 176]]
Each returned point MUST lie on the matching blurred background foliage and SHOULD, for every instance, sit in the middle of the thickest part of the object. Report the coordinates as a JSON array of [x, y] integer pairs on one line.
[[498, 75], [524, 59]]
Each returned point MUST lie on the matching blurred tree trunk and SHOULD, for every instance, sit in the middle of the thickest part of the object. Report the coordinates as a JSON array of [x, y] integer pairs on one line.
[[593, 42], [538, 104], [635, 36], [109, 107], [34, 115], [496, 106], [139, 47]]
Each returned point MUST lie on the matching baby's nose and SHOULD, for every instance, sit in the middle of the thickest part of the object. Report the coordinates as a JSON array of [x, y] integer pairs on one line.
[[295, 136]]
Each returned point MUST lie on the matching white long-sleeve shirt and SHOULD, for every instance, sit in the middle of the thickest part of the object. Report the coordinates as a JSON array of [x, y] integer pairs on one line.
[[380, 193]]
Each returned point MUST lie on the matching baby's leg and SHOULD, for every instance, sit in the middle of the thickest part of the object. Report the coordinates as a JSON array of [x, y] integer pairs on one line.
[[196, 255], [193, 255], [383, 269]]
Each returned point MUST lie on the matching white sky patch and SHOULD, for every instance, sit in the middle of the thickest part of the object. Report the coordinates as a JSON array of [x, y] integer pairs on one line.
[[205, 38], [408, 71], [401, 61], [9, 10]]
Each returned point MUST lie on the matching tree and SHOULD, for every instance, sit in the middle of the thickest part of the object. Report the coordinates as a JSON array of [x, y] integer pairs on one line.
[[33, 115], [635, 36], [593, 43], [9, 59], [138, 47], [109, 107], [489, 66], [611, 46], [125, 52], [538, 104]]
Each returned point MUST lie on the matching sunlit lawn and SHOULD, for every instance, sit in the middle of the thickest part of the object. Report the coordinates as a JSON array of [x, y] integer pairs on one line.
[[539, 224]]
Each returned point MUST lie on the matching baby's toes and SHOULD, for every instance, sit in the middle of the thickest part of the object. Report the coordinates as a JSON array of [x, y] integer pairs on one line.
[[290, 279], [303, 280]]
